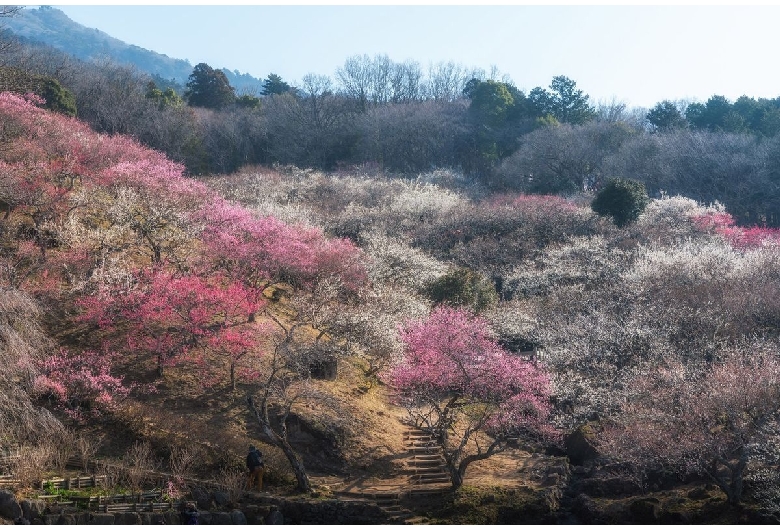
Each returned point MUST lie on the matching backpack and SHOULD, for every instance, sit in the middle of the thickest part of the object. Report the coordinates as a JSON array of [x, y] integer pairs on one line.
[[254, 460]]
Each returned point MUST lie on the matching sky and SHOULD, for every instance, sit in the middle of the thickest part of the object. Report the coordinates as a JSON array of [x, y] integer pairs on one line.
[[638, 55]]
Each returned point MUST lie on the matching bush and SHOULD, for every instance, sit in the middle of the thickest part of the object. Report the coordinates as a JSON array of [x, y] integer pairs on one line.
[[463, 288], [622, 199]]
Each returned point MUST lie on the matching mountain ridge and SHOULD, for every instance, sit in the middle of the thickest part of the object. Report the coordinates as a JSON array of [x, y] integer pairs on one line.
[[53, 27]]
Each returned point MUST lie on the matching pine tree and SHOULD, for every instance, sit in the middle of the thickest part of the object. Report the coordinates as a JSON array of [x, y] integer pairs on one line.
[[209, 88]]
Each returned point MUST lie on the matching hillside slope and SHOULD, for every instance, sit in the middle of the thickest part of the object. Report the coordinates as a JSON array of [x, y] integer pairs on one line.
[[51, 26]]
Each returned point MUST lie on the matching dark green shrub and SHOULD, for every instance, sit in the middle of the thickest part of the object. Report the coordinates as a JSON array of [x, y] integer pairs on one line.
[[622, 199], [463, 288]]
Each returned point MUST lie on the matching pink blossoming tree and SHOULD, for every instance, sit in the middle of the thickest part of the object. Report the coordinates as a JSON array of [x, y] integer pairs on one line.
[[458, 384], [81, 383], [176, 316]]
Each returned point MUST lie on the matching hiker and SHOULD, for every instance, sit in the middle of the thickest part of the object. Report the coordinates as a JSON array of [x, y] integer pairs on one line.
[[189, 514], [254, 461]]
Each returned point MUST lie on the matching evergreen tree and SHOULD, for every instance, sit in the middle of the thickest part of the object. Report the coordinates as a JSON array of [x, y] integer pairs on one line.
[[564, 102], [209, 88], [622, 199], [274, 84], [665, 116]]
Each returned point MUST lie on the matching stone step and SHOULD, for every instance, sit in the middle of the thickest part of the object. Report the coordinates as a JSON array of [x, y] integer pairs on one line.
[[427, 491], [399, 517], [429, 481], [426, 455], [417, 434], [441, 474], [425, 450], [414, 473], [390, 507], [422, 444], [387, 501], [425, 464]]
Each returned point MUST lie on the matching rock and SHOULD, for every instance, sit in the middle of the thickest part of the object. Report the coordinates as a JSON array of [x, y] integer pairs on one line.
[[9, 508], [254, 514], [698, 494], [81, 517], [580, 446], [32, 508], [610, 486], [21, 520], [238, 517], [152, 518], [204, 517], [645, 511], [584, 508], [560, 469], [220, 498], [221, 518], [66, 518], [201, 497], [127, 518], [274, 517], [580, 470], [51, 518], [102, 518]]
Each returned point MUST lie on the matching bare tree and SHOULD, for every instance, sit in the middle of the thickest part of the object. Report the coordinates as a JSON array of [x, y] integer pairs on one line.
[[183, 459], [7, 42], [446, 80], [87, 447], [10, 11], [406, 82], [138, 462]]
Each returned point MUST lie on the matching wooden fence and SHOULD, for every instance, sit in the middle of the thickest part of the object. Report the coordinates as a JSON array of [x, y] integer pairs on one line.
[[149, 501]]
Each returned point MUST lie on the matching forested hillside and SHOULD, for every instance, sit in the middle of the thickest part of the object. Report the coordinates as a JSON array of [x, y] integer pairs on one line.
[[318, 268], [51, 27], [404, 118]]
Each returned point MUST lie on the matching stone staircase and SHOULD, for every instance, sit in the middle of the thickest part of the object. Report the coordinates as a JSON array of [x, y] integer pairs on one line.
[[425, 463], [423, 466]]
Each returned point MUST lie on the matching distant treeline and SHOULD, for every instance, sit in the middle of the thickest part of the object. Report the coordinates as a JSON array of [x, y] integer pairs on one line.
[[402, 119]]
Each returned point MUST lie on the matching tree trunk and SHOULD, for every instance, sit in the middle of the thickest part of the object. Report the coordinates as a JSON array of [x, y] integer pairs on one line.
[[159, 365], [455, 477], [302, 479]]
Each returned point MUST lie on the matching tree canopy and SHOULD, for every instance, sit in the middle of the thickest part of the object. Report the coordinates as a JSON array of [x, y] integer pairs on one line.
[[274, 84], [209, 88], [622, 199], [564, 101]]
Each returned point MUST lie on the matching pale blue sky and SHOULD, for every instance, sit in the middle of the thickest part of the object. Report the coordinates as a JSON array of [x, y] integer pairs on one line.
[[640, 55]]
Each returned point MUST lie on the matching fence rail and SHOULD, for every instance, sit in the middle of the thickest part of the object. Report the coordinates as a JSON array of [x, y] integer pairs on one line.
[[149, 501]]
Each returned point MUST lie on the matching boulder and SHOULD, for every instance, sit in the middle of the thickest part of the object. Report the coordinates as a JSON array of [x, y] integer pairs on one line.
[[610, 486], [102, 519], [32, 508], [238, 517], [9, 508], [580, 444], [220, 498], [221, 518], [699, 493], [584, 508], [202, 497], [127, 518], [645, 511], [274, 517], [152, 518]]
